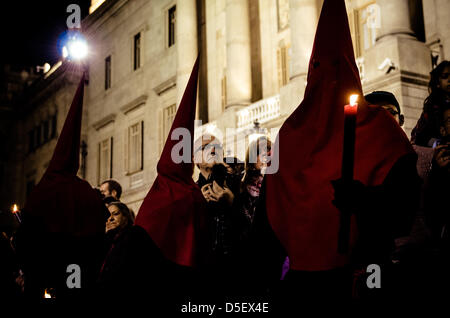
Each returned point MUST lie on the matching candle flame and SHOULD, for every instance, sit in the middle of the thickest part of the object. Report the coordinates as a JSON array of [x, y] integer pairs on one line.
[[47, 295], [353, 99], [15, 208]]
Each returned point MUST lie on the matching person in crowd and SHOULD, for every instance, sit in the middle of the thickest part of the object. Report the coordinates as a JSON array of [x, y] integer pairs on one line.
[[132, 262], [11, 280], [427, 129], [260, 254], [436, 196], [256, 159], [111, 188], [219, 188], [388, 101], [60, 239]]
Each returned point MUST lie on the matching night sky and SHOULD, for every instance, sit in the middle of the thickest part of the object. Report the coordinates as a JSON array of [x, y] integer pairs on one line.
[[30, 30]]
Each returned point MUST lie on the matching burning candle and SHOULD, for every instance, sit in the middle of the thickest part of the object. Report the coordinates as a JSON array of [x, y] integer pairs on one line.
[[47, 294], [16, 212], [348, 157]]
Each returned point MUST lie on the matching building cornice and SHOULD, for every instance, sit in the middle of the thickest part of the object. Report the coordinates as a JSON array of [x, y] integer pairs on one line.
[[104, 121], [135, 103], [108, 9], [166, 85]]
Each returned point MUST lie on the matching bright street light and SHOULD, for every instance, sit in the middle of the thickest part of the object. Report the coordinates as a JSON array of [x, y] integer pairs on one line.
[[74, 46]]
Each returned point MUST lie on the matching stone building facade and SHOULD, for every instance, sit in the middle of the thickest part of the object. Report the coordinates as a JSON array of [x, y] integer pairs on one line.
[[254, 59]]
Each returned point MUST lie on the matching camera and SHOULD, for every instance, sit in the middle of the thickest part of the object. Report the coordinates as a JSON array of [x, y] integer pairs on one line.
[[219, 174]]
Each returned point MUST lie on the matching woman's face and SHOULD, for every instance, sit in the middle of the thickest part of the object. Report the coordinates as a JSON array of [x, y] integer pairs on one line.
[[444, 80], [116, 219], [254, 187]]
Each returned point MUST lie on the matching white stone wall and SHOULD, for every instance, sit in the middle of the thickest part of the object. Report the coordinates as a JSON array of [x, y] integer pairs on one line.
[[158, 64]]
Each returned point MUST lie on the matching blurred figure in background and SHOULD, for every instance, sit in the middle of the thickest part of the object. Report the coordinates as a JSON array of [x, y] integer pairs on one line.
[[427, 129]]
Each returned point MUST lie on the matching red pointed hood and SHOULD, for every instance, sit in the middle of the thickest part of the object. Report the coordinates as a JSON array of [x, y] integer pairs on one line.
[[173, 210], [67, 152], [61, 202], [310, 149]]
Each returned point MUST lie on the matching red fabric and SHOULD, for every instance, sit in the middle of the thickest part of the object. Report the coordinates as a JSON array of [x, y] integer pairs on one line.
[[310, 143], [61, 202], [173, 209]]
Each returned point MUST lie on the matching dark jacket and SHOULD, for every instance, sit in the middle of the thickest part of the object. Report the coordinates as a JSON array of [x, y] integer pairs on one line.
[[436, 203], [131, 262], [389, 211], [220, 220]]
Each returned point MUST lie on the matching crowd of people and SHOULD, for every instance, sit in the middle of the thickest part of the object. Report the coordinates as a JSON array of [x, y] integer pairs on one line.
[[243, 255]]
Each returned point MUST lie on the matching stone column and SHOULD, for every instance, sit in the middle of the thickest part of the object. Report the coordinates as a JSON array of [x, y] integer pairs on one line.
[[303, 22], [395, 18], [186, 42], [238, 70], [410, 57]]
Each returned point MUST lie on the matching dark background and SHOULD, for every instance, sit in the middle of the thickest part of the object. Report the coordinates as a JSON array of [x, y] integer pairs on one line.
[[30, 30]]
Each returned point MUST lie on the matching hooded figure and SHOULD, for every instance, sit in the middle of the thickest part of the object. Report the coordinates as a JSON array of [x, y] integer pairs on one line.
[[154, 259], [299, 196], [63, 219], [174, 209]]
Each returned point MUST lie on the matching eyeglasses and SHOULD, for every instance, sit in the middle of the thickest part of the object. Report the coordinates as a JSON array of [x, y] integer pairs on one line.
[[393, 112]]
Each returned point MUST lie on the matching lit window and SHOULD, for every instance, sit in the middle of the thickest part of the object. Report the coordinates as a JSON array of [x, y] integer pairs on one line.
[[169, 116], [282, 65], [134, 148], [105, 160], [363, 29]]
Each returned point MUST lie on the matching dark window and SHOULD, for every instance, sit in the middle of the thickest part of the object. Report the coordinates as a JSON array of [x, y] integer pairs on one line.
[[137, 51], [45, 132], [54, 123], [172, 20], [111, 158], [30, 186], [31, 140], [108, 72], [38, 136]]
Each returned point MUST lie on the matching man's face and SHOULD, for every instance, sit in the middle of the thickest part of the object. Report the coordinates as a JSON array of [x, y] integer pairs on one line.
[[116, 219], [104, 189], [210, 153], [444, 80], [393, 111]]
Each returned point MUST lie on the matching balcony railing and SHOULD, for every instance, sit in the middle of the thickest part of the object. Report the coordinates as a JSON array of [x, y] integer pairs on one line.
[[262, 111]]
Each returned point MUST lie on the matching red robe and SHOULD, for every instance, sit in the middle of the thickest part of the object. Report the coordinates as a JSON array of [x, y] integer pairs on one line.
[[299, 196]]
